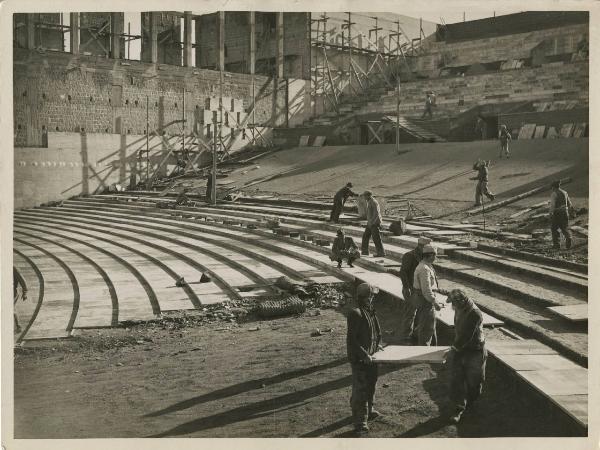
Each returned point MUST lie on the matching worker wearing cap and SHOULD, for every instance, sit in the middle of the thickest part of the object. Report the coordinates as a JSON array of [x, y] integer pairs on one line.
[[504, 137], [344, 247], [560, 204], [468, 354], [410, 261], [482, 182], [423, 297], [373, 226], [362, 341], [339, 199]]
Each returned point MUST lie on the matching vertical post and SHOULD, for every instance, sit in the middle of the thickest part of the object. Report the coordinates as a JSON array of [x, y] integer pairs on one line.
[[147, 142], [115, 34], [153, 38], [398, 114], [279, 55], [183, 126], [187, 38], [30, 21], [214, 166], [74, 36], [128, 40], [350, 49], [253, 66]]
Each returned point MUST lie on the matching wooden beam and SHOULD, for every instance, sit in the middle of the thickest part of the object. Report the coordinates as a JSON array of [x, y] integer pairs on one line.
[[153, 40], [221, 40], [74, 36], [253, 63], [30, 23], [187, 38], [115, 35]]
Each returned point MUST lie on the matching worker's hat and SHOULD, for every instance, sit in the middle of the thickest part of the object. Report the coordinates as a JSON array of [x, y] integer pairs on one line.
[[429, 250], [365, 290], [423, 240], [457, 297], [340, 232], [349, 184]]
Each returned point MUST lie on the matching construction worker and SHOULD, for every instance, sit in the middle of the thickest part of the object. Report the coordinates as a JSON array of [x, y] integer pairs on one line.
[[373, 226], [339, 200], [410, 261], [209, 188], [423, 297], [22, 293], [362, 341], [344, 247], [182, 198], [481, 128], [429, 102], [560, 205], [504, 137], [482, 182], [468, 354]]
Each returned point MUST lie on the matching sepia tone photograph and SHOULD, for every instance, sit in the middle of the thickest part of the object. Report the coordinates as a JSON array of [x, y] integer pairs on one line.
[[298, 224]]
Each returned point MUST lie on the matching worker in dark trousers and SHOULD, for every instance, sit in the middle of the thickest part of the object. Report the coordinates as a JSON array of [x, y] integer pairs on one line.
[[410, 261], [209, 188], [504, 137], [560, 205], [339, 199], [468, 355], [429, 102], [423, 297], [344, 247], [482, 182], [362, 341], [373, 227]]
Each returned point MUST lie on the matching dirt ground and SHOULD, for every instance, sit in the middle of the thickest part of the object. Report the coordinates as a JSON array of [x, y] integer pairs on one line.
[[206, 375]]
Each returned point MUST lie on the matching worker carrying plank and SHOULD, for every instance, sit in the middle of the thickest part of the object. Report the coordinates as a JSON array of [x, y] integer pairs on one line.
[[482, 187], [410, 261], [468, 355], [373, 227], [339, 199], [423, 297], [504, 136], [560, 206], [344, 247], [362, 341]]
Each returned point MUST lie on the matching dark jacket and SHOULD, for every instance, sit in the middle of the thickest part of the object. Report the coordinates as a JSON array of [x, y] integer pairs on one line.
[[343, 247], [483, 173], [364, 334], [468, 328], [343, 194], [410, 261]]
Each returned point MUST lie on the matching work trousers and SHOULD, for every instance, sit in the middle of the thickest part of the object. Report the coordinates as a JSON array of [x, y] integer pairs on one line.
[[425, 318], [338, 206], [408, 312], [504, 149], [428, 112], [467, 374], [480, 190], [372, 231], [364, 379], [560, 221]]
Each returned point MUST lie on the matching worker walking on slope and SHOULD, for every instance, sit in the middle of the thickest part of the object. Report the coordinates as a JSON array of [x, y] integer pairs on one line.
[[362, 341], [339, 200], [482, 182], [504, 137], [560, 205], [410, 261], [373, 226], [429, 103], [468, 355], [423, 296]]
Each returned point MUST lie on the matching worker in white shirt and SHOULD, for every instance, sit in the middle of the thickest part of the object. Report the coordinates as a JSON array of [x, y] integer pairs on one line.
[[423, 296], [560, 204]]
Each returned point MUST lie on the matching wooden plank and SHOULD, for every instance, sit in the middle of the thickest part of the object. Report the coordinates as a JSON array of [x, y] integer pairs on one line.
[[579, 130], [575, 405], [558, 382], [566, 130], [537, 362], [519, 347], [527, 131], [303, 141], [575, 313], [319, 141], [402, 354], [539, 131]]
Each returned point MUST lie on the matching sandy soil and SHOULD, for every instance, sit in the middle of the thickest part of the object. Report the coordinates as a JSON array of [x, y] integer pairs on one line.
[[186, 377]]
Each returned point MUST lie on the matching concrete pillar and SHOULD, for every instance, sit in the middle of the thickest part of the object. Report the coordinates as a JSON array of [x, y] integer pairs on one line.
[[153, 41], [279, 53], [74, 35], [30, 22], [187, 38], [115, 31]]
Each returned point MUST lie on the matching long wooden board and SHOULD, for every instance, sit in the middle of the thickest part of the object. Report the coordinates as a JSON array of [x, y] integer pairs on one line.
[[575, 313], [411, 354]]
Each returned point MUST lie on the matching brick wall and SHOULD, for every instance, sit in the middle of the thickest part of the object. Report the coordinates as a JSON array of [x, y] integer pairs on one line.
[[168, 26], [58, 92]]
